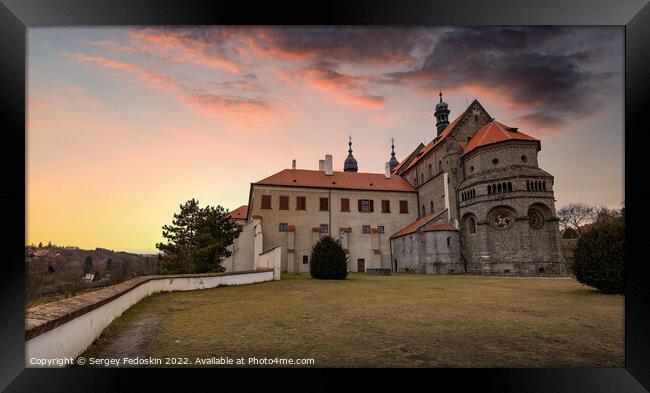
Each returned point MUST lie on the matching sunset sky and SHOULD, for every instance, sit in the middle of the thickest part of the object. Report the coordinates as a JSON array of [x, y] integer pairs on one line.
[[124, 124]]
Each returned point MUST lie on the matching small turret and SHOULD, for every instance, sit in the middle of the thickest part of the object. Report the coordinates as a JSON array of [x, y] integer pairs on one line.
[[442, 115], [350, 164], [393, 161]]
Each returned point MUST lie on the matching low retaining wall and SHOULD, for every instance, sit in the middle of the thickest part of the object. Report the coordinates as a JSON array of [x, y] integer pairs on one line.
[[64, 329], [379, 271]]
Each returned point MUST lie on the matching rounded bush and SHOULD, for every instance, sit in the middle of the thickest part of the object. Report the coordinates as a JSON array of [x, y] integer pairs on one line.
[[328, 260], [598, 258]]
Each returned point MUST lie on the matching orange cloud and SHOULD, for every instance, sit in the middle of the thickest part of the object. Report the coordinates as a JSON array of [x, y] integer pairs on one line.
[[342, 88], [182, 49], [145, 77]]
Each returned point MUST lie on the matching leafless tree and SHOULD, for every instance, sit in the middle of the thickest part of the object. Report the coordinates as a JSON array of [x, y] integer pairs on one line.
[[575, 216]]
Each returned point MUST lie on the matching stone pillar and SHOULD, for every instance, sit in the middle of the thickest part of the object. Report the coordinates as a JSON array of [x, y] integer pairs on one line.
[[259, 238]]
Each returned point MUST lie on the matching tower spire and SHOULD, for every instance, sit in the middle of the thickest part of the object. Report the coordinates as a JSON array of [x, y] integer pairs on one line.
[[393, 161], [350, 164], [442, 115]]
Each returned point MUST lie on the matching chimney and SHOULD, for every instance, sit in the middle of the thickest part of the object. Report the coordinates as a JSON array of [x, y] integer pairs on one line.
[[328, 165], [293, 164], [321, 165], [387, 170]]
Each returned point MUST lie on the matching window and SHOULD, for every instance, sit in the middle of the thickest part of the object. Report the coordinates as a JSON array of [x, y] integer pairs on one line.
[[284, 202], [423, 211], [448, 242], [415, 182], [385, 206], [431, 207], [365, 229], [324, 204], [345, 204], [495, 161], [471, 168], [422, 177], [524, 158], [283, 227], [305, 259], [266, 201], [471, 225], [380, 228], [301, 203], [366, 206], [403, 207], [439, 166], [324, 228], [430, 171]]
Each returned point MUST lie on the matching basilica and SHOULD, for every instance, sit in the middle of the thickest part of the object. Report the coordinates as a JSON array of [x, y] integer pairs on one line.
[[471, 200]]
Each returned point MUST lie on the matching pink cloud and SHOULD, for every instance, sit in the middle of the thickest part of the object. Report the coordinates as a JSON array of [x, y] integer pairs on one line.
[[342, 88], [182, 49], [143, 76]]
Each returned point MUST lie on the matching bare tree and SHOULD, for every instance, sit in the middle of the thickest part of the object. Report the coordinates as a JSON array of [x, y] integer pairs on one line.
[[575, 215]]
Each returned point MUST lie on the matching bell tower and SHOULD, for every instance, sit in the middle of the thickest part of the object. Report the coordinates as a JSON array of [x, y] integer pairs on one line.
[[442, 115]]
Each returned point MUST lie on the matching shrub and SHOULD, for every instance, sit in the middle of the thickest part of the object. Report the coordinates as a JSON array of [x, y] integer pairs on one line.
[[328, 260], [598, 258]]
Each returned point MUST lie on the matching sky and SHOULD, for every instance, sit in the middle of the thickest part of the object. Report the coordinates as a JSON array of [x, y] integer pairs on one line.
[[124, 124]]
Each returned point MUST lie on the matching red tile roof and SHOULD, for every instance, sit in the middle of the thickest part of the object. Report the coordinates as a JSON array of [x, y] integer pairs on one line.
[[439, 226], [340, 180], [495, 132], [241, 213], [412, 227], [406, 160], [436, 141]]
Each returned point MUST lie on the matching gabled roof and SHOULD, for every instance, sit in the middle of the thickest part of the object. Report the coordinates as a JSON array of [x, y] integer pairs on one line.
[[417, 224], [408, 158], [339, 180], [495, 132], [438, 140], [439, 226], [241, 213]]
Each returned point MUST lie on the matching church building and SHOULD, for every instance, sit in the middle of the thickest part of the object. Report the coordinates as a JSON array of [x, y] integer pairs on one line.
[[472, 200]]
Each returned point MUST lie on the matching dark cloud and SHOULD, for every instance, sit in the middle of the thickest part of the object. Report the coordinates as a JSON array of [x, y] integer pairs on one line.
[[549, 73]]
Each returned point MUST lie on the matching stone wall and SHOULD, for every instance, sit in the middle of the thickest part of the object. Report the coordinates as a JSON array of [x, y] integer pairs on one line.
[[65, 328]]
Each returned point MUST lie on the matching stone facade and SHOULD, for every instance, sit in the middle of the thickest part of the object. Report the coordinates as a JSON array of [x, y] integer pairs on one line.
[[477, 203]]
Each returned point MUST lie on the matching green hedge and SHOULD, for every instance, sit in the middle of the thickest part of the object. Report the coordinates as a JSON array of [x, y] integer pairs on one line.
[[599, 258], [328, 260]]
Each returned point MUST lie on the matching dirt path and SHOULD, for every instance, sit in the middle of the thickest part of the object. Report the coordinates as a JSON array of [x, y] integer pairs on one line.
[[130, 336]]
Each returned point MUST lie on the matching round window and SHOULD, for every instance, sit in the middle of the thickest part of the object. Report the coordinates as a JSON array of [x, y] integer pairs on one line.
[[524, 158], [535, 219], [502, 219], [495, 161]]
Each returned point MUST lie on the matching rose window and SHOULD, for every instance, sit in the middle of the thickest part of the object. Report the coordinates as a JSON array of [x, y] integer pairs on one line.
[[535, 219]]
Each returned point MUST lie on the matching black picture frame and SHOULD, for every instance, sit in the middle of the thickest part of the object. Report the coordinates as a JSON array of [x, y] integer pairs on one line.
[[17, 15]]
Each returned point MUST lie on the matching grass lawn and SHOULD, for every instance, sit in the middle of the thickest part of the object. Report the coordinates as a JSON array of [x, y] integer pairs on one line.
[[401, 320]]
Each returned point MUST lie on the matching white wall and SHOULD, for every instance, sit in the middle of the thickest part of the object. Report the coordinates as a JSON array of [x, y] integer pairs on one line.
[[72, 338], [271, 259]]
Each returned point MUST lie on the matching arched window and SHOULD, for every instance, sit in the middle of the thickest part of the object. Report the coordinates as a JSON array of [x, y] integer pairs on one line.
[[499, 188], [528, 185], [423, 211], [430, 171], [422, 177], [470, 224], [448, 242], [544, 186], [431, 205], [439, 166], [489, 189], [509, 186]]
